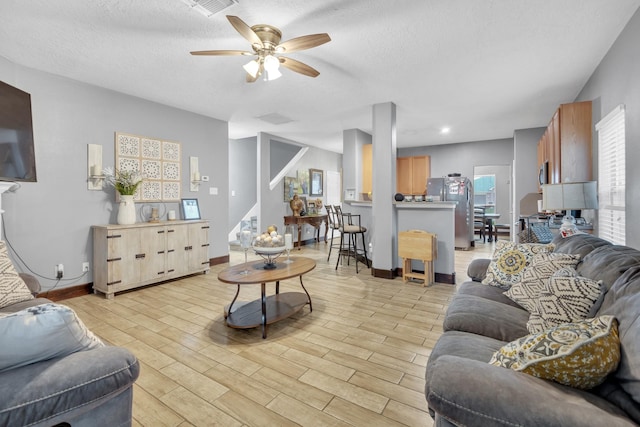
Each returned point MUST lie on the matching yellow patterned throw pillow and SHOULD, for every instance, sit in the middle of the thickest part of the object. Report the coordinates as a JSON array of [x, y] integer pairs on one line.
[[579, 354], [509, 261]]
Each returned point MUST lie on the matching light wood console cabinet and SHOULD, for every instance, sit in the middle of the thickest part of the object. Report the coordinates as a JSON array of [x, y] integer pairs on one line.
[[129, 256]]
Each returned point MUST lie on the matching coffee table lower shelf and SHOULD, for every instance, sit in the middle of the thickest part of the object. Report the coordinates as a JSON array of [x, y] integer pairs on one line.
[[278, 307]]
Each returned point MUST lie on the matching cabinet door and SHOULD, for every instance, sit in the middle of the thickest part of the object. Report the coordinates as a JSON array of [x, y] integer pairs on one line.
[[554, 149], [132, 253], [575, 137], [199, 246], [177, 241], [116, 269], [421, 171], [151, 258], [404, 173], [367, 168]]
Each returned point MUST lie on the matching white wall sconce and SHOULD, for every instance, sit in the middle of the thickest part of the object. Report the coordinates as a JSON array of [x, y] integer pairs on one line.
[[194, 173], [95, 176]]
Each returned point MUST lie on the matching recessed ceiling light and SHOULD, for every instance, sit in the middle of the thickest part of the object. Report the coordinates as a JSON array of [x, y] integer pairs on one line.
[[445, 130]]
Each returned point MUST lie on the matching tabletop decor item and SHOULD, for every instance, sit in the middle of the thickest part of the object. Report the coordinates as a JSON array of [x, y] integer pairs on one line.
[[126, 184], [269, 245]]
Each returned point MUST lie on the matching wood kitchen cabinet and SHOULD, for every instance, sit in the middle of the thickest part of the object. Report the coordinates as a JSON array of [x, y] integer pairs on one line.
[[129, 256], [412, 174], [367, 168], [566, 144]]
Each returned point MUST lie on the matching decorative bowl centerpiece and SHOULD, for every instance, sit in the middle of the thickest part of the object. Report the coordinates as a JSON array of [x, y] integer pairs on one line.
[[269, 245]]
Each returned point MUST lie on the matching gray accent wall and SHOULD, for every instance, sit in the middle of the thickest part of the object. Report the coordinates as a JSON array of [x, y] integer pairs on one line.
[[616, 81], [272, 206], [242, 178], [463, 157], [49, 221]]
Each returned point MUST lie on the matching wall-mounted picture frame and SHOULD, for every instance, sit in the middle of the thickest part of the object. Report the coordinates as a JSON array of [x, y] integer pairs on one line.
[[317, 182], [303, 181], [291, 187], [190, 209]]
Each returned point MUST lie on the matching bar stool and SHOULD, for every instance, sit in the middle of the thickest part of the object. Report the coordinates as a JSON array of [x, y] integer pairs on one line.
[[334, 226], [351, 227]]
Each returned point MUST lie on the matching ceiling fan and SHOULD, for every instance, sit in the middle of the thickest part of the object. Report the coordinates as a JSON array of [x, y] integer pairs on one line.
[[265, 42]]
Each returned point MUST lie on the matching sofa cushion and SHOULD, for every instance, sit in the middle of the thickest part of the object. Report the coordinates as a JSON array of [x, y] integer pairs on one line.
[[485, 291], [509, 260], [477, 315], [12, 287], [564, 299], [623, 302], [40, 333], [536, 276], [607, 263], [579, 244], [579, 354]]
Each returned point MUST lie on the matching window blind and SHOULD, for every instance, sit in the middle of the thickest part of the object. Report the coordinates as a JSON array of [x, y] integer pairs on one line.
[[611, 176]]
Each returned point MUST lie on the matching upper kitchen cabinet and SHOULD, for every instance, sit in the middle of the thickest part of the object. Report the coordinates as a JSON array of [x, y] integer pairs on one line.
[[564, 151], [412, 174]]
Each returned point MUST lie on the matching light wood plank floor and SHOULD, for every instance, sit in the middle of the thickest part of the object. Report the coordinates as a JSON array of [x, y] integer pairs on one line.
[[357, 360]]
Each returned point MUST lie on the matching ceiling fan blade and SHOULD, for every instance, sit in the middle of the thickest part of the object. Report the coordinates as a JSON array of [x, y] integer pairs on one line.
[[298, 67], [303, 42], [221, 52], [244, 30]]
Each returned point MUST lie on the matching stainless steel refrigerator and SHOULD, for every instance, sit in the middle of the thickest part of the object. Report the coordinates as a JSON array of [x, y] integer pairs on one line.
[[457, 189]]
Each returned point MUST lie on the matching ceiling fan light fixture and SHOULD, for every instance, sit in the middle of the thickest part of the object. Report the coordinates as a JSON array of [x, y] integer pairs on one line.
[[271, 64], [252, 68], [272, 74]]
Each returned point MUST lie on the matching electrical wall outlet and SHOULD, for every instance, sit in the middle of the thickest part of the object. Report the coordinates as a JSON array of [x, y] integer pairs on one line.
[[85, 267], [59, 271]]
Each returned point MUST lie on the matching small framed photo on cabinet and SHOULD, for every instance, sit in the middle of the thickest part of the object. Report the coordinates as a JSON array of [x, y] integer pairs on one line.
[[190, 209]]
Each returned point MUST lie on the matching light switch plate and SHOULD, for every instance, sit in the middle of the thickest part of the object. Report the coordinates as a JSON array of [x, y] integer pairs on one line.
[[205, 178], [213, 191]]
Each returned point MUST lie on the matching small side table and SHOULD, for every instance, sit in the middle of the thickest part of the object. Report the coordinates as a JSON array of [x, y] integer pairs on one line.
[[419, 245]]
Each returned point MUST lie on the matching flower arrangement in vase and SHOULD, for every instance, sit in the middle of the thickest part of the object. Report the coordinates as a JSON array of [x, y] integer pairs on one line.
[[126, 183]]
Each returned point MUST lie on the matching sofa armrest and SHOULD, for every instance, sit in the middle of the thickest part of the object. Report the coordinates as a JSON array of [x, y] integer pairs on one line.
[[469, 392], [477, 269], [48, 392], [32, 283]]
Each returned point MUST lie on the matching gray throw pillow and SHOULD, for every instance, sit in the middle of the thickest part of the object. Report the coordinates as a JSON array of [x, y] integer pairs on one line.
[[42, 332]]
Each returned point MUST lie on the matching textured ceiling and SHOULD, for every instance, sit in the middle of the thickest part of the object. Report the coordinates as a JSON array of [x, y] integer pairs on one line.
[[483, 68]]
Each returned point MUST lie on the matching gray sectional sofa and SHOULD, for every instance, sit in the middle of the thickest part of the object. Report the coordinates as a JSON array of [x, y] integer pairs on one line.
[[93, 387], [463, 389]]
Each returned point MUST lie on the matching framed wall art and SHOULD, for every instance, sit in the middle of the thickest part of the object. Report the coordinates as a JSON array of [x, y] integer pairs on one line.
[[159, 162], [303, 180], [317, 182], [291, 187]]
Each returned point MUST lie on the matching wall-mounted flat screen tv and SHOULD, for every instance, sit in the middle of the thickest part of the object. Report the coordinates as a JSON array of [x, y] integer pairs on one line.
[[17, 154]]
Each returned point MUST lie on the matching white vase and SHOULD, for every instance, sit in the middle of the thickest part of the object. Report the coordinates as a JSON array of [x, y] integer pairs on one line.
[[126, 211]]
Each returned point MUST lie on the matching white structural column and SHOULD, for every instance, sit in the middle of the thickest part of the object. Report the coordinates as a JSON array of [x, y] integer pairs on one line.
[[384, 184]]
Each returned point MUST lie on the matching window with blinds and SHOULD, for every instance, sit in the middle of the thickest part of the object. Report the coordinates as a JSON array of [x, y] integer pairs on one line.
[[611, 176]]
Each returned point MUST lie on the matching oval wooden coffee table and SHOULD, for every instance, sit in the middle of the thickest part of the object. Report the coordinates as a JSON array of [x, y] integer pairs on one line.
[[267, 309]]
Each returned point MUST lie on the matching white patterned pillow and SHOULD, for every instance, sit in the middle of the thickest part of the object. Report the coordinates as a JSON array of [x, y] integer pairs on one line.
[[40, 333], [509, 261], [12, 287], [579, 354], [564, 300], [536, 276]]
